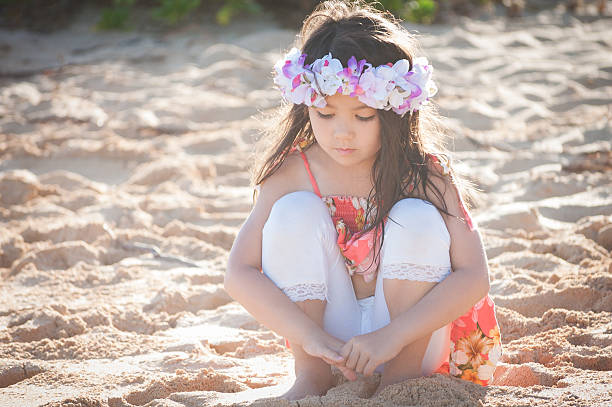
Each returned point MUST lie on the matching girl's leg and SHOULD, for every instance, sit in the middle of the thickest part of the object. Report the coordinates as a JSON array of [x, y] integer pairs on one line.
[[300, 255], [415, 257]]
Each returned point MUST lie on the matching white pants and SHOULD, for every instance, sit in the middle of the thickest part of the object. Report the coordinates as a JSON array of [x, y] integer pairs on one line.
[[300, 255]]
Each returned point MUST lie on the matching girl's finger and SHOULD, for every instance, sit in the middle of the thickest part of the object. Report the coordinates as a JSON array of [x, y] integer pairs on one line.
[[351, 361], [334, 356], [348, 373], [346, 349], [369, 368], [333, 362], [361, 363], [327, 360]]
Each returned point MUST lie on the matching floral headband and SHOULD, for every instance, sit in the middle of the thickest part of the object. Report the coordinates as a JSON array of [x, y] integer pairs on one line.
[[390, 86]]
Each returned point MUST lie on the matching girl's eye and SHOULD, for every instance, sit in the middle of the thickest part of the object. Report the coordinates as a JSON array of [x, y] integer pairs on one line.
[[327, 116]]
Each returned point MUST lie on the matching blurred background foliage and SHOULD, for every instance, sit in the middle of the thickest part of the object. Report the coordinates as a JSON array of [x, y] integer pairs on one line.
[[47, 15]]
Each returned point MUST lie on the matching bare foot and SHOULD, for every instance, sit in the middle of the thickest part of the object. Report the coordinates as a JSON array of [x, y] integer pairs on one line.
[[308, 384]]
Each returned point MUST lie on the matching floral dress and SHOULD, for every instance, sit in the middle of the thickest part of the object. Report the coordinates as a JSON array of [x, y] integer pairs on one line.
[[475, 339]]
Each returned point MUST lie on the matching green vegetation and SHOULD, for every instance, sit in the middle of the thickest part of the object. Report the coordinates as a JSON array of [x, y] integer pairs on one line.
[[420, 11], [233, 7], [169, 12], [173, 11], [116, 17], [120, 14], [416, 11]]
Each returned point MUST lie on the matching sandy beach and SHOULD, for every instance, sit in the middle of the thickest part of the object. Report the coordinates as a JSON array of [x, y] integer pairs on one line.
[[123, 183]]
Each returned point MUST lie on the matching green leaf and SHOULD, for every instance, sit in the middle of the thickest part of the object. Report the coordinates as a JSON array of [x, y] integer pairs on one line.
[[173, 11], [232, 8]]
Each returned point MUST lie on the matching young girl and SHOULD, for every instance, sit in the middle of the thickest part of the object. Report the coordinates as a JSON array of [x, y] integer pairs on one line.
[[359, 249]]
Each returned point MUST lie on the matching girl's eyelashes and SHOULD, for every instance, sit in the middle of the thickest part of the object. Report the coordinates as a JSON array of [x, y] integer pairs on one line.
[[328, 116]]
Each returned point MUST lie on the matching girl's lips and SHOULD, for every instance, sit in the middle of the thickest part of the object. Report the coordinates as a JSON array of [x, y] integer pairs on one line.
[[345, 150]]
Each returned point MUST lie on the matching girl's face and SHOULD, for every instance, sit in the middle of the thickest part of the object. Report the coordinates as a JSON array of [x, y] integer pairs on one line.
[[347, 130]]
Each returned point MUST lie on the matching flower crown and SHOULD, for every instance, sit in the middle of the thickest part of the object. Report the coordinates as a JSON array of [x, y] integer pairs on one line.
[[390, 86]]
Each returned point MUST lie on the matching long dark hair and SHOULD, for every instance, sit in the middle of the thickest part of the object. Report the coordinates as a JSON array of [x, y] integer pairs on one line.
[[357, 29]]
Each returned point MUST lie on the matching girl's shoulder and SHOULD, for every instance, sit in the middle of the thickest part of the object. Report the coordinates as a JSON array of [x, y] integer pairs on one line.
[[288, 177], [451, 187], [440, 163], [438, 173], [444, 187]]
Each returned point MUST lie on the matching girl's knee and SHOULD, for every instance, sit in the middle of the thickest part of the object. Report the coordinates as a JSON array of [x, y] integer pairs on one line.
[[297, 245], [418, 222], [417, 247], [301, 215]]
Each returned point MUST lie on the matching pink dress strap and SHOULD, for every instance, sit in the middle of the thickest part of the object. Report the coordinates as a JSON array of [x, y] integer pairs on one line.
[[312, 179]]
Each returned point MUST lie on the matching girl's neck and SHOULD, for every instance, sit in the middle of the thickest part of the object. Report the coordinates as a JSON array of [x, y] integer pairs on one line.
[[355, 179]]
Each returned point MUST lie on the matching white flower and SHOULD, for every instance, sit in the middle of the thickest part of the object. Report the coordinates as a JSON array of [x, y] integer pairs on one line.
[[396, 97], [485, 371], [326, 71], [288, 67], [495, 353], [375, 88], [289, 77], [421, 79], [383, 87], [453, 369], [401, 67], [299, 94], [460, 357]]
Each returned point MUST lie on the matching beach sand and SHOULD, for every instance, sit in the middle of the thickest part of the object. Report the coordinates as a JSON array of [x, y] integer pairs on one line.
[[123, 183]]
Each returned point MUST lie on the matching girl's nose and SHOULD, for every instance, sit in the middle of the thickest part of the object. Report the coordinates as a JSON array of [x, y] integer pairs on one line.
[[343, 132]]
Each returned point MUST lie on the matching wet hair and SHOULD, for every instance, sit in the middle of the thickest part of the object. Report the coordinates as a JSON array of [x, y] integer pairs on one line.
[[355, 28]]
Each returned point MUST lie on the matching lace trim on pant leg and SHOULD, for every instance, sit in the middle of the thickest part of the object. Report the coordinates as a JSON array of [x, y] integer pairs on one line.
[[415, 272], [306, 291]]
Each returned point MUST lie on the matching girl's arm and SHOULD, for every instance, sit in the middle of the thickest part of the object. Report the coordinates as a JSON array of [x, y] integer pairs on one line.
[[272, 308], [460, 290], [267, 303], [245, 282], [445, 302]]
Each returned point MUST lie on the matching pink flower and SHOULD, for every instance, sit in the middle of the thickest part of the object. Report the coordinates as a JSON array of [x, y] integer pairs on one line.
[[388, 86]]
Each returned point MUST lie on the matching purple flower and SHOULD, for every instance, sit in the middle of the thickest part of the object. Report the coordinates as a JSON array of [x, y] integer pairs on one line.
[[388, 86]]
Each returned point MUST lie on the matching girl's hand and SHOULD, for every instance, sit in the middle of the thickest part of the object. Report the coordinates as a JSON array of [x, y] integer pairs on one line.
[[328, 348], [364, 353]]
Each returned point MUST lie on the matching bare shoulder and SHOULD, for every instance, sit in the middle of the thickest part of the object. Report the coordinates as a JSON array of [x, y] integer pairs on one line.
[[289, 177], [440, 188]]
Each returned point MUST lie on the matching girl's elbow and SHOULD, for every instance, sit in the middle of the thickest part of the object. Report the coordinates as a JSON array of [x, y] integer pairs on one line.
[[479, 281], [228, 280], [236, 276]]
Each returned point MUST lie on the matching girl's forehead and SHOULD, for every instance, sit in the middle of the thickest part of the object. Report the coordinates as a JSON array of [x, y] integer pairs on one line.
[[345, 102]]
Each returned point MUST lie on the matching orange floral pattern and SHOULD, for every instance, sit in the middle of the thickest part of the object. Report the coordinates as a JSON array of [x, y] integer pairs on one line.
[[473, 355], [348, 215]]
